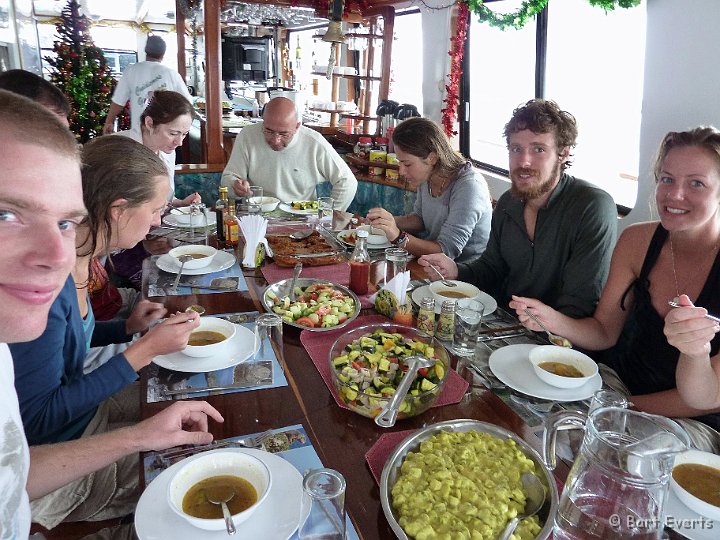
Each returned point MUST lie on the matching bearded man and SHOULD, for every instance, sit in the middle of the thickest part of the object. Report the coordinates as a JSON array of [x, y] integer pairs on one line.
[[552, 235]]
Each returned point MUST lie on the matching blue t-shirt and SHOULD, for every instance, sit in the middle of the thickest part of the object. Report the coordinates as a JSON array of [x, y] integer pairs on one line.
[[56, 400]]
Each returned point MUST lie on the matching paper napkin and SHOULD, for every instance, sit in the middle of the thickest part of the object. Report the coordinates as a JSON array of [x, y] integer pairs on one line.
[[253, 229], [393, 295]]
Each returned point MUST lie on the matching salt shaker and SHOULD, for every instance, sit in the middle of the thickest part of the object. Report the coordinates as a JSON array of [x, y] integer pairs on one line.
[[446, 322], [426, 317]]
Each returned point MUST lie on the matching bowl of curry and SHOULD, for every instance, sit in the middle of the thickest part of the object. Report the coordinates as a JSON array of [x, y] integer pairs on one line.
[[210, 337], [695, 481]]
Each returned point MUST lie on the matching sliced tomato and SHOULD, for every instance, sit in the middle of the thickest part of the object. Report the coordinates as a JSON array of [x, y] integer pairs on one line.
[[323, 310], [305, 321], [423, 371]]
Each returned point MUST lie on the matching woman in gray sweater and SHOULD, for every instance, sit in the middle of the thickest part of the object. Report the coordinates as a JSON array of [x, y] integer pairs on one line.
[[452, 211]]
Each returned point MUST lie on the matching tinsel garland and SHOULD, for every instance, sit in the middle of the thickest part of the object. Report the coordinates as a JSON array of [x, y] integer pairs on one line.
[[529, 9], [449, 113]]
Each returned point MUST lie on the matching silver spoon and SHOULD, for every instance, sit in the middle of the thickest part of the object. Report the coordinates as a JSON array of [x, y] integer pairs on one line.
[[221, 495], [534, 500], [442, 278], [553, 338], [299, 235], [708, 316], [388, 416], [296, 275], [183, 259]]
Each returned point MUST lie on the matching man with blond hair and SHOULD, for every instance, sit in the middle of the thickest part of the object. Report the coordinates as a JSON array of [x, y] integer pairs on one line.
[[40, 212]]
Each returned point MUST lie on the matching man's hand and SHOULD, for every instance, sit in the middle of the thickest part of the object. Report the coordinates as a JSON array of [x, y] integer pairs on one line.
[[241, 187], [688, 330], [143, 314], [184, 422], [109, 128], [442, 262]]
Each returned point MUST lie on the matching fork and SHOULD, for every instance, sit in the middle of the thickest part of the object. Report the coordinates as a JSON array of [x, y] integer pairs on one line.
[[672, 303], [253, 441]]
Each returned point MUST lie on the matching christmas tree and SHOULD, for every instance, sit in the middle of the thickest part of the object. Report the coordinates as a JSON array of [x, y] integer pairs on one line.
[[81, 72]]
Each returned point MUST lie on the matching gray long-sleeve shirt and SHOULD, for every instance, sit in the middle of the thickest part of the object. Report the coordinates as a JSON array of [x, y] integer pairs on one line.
[[459, 219], [567, 264]]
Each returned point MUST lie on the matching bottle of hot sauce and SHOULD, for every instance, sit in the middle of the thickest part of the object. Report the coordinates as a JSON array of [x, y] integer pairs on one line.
[[232, 229], [360, 264]]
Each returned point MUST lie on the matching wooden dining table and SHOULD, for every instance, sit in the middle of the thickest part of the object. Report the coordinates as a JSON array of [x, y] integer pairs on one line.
[[340, 437]]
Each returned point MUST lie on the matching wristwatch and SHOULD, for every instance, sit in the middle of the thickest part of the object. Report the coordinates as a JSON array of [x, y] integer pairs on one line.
[[402, 240]]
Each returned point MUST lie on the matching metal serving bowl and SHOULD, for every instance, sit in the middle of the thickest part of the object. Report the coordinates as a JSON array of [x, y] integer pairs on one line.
[[391, 471], [282, 288]]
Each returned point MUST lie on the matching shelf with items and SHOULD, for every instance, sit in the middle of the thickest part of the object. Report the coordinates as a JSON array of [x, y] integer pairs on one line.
[[369, 79]]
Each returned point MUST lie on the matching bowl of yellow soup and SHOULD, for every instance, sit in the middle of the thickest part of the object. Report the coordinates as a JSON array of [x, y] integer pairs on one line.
[[461, 291], [202, 256], [562, 367], [695, 481], [216, 472], [211, 337]]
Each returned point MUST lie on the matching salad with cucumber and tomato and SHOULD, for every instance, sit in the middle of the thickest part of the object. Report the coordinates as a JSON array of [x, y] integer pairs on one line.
[[370, 369], [316, 306]]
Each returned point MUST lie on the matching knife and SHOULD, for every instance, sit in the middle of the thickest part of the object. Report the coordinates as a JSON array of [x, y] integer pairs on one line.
[[502, 329], [257, 382], [483, 339], [210, 287], [307, 255]]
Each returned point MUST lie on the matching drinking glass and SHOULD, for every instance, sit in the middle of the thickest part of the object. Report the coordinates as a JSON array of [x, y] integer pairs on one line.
[[324, 492], [468, 318], [325, 212], [396, 260], [269, 332], [256, 194], [607, 398]]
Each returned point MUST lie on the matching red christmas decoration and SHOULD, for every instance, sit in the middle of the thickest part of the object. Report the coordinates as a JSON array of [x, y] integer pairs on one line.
[[457, 51]]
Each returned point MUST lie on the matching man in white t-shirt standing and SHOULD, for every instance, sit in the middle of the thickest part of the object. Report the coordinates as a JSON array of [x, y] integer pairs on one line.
[[140, 80], [39, 214]]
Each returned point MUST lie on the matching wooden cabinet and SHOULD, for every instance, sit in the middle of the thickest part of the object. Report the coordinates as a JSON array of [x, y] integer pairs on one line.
[[371, 83]]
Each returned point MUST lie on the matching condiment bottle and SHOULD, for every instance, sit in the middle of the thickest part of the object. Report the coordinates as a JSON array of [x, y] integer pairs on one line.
[[446, 323], [221, 208], [232, 228], [363, 147], [360, 264], [426, 316]]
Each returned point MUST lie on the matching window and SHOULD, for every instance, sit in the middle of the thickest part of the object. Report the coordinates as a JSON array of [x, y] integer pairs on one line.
[[593, 68], [406, 69]]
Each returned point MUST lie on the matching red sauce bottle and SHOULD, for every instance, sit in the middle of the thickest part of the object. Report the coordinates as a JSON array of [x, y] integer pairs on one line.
[[360, 264]]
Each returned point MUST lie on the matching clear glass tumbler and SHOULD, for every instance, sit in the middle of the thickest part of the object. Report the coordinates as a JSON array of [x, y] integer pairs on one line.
[[607, 398], [325, 212], [324, 493], [396, 260], [269, 333], [468, 319], [256, 194]]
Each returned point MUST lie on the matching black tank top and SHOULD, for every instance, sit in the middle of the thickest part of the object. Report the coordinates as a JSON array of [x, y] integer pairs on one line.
[[644, 359]]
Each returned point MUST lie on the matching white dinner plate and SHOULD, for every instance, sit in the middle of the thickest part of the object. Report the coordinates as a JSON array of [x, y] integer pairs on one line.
[[487, 300], [276, 519], [173, 221], [342, 235], [285, 207], [688, 522], [512, 366], [241, 347], [221, 261]]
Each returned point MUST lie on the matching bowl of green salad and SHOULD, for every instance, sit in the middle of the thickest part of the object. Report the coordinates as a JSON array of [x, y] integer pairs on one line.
[[368, 363]]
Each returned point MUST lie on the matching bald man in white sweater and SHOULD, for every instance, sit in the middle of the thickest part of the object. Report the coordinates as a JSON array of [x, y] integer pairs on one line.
[[287, 159]]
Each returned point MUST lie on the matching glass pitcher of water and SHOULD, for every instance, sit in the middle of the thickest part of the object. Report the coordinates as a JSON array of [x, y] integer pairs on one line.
[[618, 484]]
